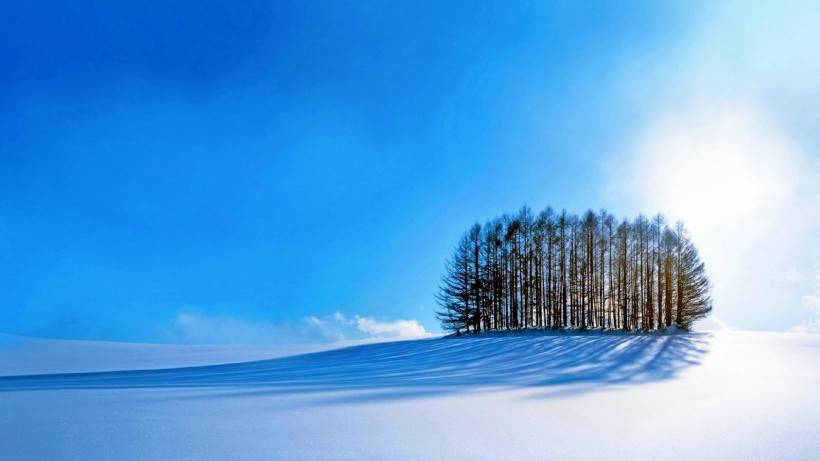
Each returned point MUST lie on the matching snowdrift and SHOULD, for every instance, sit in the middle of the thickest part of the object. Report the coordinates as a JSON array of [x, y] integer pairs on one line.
[[725, 395], [425, 366]]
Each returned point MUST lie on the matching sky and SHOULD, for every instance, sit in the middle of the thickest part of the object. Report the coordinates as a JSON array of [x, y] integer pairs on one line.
[[212, 172]]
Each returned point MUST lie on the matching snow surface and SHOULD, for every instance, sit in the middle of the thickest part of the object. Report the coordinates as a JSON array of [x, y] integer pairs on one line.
[[714, 396], [22, 355]]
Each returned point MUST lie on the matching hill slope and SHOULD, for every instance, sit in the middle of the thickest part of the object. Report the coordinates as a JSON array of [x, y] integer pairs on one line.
[[726, 395]]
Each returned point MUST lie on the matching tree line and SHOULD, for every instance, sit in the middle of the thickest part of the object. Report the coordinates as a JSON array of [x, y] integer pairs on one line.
[[560, 271]]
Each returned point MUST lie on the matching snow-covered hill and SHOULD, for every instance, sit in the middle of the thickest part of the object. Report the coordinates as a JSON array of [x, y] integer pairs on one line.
[[725, 395]]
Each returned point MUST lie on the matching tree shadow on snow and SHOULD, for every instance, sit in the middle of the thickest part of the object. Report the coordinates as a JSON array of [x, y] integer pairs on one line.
[[560, 363]]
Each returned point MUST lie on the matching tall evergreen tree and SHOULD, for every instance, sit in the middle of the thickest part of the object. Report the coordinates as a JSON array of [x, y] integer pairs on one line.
[[455, 290], [562, 271]]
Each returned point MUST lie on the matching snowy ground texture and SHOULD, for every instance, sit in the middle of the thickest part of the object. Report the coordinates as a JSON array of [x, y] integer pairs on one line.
[[707, 396]]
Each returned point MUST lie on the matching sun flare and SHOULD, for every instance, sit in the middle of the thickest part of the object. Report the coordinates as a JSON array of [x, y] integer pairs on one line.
[[719, 169]]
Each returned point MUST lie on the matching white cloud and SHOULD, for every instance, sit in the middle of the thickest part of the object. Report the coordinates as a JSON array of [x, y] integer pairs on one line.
[[397, 329], [189, 327], [812, 303], [197, 328], [323, 329], [712, 323]]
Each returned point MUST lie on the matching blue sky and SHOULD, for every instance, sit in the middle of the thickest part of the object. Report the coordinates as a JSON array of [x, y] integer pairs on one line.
[[214, 171]]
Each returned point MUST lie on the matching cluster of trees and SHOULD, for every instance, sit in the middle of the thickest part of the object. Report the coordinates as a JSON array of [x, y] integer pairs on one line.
[[564, 271]]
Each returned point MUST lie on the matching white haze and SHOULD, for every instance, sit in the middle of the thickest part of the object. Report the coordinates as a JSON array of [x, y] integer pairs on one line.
[[730, 147]]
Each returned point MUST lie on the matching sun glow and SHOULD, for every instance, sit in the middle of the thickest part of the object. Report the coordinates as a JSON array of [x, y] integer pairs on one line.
[[735, 180], [719, 169]]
